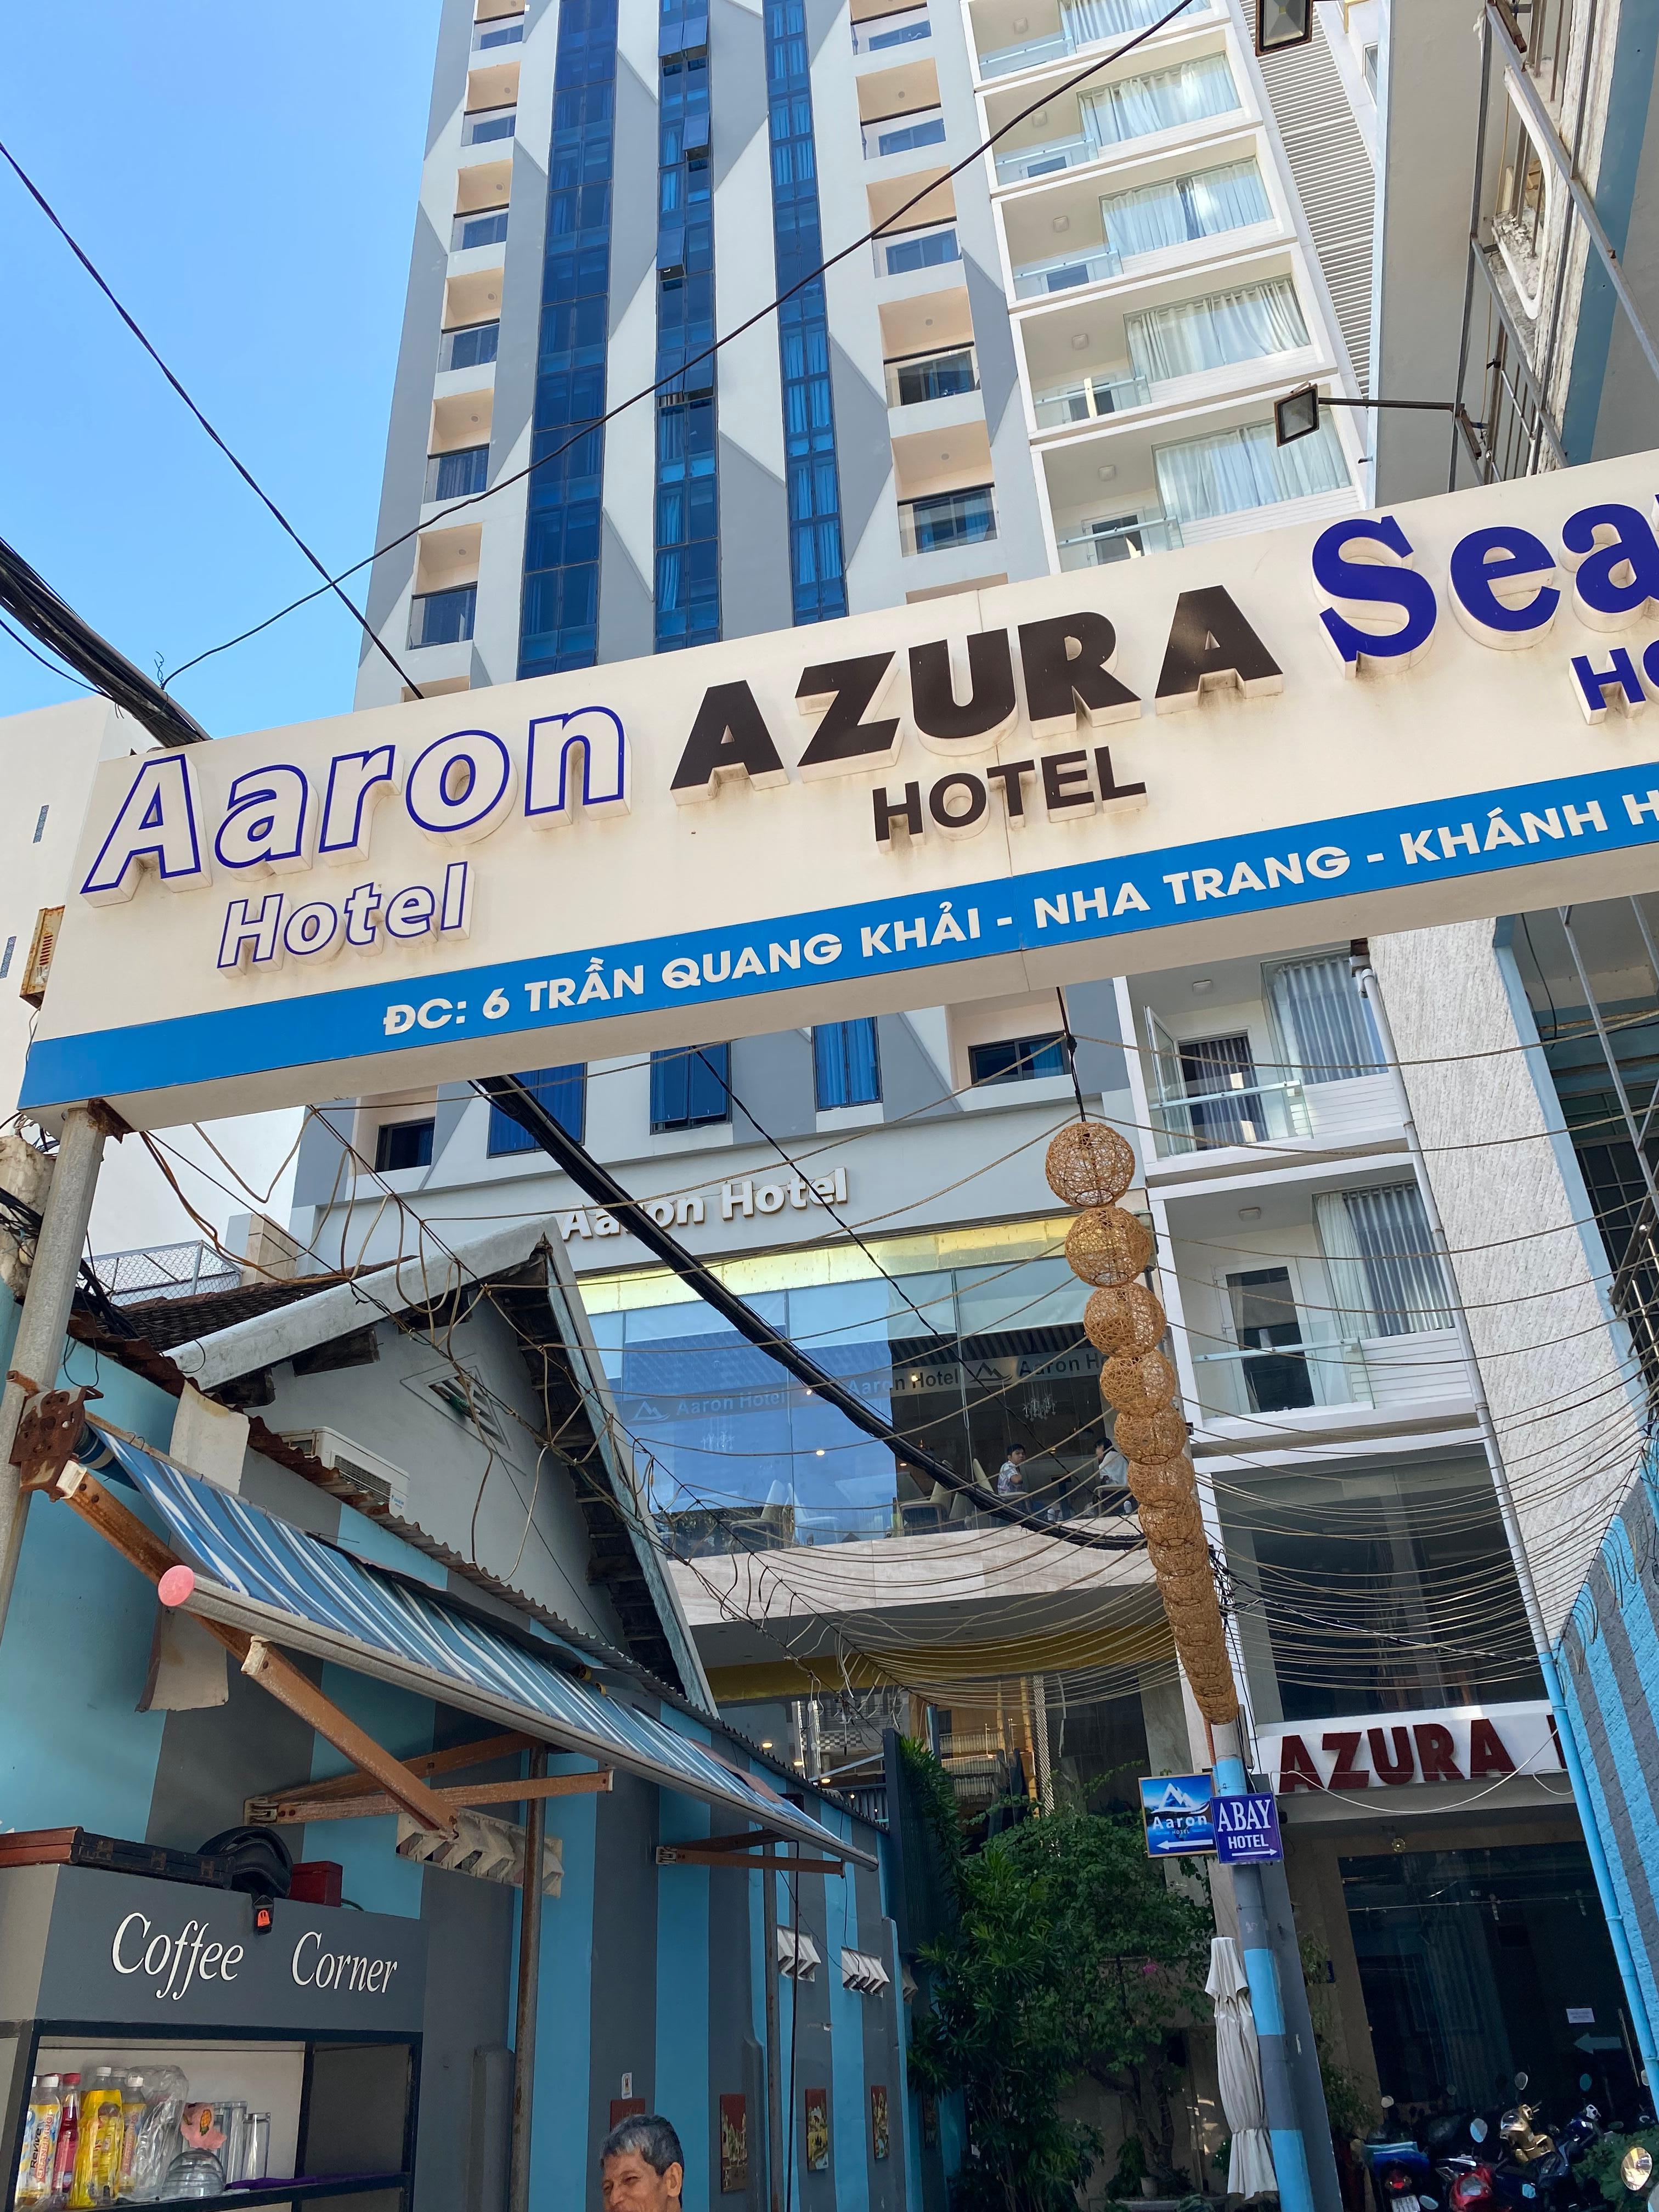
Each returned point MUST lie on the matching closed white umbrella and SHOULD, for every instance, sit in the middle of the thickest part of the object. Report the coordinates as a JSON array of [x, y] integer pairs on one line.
[[1238, 2070]]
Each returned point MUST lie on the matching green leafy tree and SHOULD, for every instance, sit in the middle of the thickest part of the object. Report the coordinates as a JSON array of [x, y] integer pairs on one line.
[[1071, 1957]]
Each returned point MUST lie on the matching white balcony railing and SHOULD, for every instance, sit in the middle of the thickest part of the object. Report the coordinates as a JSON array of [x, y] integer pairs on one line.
[[1119, 541], [1107, 394]]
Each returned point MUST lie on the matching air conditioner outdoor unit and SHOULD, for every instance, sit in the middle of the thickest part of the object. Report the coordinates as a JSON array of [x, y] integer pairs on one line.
[[366, 1480]]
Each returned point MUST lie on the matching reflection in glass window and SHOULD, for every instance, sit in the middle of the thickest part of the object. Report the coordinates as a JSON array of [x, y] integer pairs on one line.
[[970, 1362], [846, 1063]]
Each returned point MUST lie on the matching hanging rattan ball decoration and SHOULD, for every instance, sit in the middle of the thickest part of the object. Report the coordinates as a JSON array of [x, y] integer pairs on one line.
[[1154, 1482], [1108, 1246], [1172, 1521], [1089, 1165], [1152, 1436], [1138, 1382], [1127, 1318]]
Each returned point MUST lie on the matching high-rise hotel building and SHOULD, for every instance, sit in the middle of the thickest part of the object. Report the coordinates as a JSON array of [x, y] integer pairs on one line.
[[1065, 355]]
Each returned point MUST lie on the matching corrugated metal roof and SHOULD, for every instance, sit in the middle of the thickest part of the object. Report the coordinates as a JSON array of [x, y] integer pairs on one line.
[[397, 1633]]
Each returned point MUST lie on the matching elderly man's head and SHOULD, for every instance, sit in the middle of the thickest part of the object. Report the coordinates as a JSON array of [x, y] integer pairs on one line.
[[641, 2166]]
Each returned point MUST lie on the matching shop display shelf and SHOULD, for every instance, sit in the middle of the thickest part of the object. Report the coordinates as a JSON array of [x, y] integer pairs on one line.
[[277, 2192]]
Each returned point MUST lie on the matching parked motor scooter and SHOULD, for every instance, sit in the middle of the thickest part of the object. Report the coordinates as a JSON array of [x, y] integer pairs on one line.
[[1402, 2172], [1535, 2168]]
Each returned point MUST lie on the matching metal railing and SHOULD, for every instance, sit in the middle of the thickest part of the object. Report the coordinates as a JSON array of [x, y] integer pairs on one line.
[[913, 378], [905, 133], [1107, 394], [1004, 60], [165, 1271], [903, 27], [1543, 31], [933, 525], [1044, 160], [1334, 1366], [1065, 271], [1244, 1114], [1128, 541]]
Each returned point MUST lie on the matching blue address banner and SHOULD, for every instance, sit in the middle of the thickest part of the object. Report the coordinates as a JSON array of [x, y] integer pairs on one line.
[[1092, 902]]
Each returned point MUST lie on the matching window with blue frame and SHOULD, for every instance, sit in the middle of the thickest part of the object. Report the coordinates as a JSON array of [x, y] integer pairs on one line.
[[817, 556], [563, 1091], [687, 584], [846, 1063], [689, 1087], [459, 475], [559, 619]]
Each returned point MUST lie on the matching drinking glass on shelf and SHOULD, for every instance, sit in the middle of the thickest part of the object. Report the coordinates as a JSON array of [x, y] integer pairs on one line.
[[231, 2116], [259, 2147]]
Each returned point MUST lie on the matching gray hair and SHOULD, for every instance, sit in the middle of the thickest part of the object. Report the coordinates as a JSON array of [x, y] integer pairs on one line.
[[648, 2134]]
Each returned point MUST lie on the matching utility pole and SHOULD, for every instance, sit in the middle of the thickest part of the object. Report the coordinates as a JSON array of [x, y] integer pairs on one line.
[[38, 1352], [1297, 2127]]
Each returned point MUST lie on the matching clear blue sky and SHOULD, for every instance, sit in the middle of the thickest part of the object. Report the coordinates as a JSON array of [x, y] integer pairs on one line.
[[246, 179]]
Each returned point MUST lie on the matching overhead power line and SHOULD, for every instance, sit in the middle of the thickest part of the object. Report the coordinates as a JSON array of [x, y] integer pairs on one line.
[[330, 583], [522, 1105], [31, 600]]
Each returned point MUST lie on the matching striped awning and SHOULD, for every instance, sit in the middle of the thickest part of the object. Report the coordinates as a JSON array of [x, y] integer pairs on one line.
[[261, 1575]]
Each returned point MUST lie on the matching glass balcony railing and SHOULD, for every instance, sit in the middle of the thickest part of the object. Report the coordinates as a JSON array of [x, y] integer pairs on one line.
[[903, 134], [1280, 1378], [488, 227], [1119, 541], [457, 475], [443, 617], [1044, 160], [911, 250], [933, 525], [1095, 27], [1094, 396], [913, 378], [1006, 59], [1067, 271], [903, 28], [487, 124], [474, 347], [507, 33], [1245, 1114]]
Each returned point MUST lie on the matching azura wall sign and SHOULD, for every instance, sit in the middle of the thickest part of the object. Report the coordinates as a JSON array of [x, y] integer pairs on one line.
[[1308, 733]]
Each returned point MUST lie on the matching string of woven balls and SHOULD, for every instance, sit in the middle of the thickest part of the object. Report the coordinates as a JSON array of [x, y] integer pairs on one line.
[[1091, 1166]]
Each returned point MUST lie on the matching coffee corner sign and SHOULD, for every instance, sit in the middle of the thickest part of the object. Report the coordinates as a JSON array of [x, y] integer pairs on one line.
[[1291, 736]]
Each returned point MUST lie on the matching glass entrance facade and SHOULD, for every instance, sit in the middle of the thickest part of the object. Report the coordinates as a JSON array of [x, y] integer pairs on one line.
[[972, 1344], [1475, 1964]]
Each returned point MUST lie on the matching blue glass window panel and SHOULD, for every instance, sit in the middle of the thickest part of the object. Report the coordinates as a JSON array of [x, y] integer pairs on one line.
[[562, 1091], [458, 476], [847, 1064], [910, 135], [472, 349], [400, 1144], [940, 376], [817, 579], [509, 34], [953, 518], [689, 1087], [559, 621], [443, 617], [481, 129], [686, 578], [489, 229], [907, 254], [1016, 1059]]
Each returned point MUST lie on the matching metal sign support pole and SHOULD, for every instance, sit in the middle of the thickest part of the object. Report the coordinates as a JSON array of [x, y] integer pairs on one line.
[[38, 1352], [530, 1962]]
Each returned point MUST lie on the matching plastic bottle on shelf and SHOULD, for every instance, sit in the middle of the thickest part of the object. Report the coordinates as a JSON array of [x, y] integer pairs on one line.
[[98, 2160], [134, 2105], [68, 2140], [39, 2151]]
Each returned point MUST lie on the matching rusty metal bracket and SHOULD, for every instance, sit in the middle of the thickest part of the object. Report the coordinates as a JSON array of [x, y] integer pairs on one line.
[[48, 1431]]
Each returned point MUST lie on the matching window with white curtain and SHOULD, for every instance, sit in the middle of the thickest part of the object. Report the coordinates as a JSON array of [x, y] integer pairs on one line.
[[1231, 471], [1162, 100], [1178, 209], [1383, 1266], [1086, 21], [1191, 335], [1324, 1019]]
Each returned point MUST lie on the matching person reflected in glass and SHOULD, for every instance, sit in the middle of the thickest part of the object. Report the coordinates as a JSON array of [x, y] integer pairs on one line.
[[1011, 1475]]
